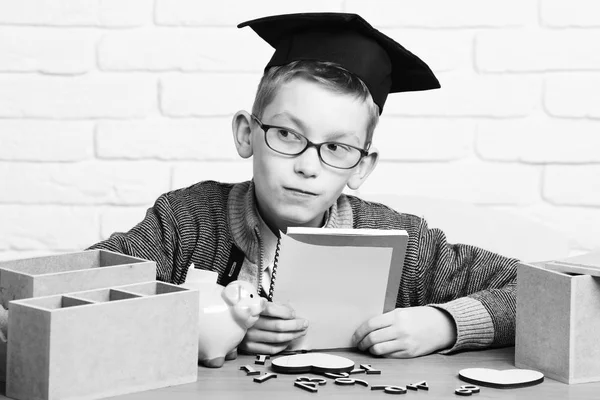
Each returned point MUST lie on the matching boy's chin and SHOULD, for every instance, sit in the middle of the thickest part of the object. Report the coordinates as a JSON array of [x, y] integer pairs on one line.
[[302, 220]]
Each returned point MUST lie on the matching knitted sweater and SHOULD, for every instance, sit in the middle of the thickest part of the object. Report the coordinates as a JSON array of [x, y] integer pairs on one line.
[[206, 223]]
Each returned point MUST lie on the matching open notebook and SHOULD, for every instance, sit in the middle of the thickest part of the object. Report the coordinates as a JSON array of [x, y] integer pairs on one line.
[[338, 279]]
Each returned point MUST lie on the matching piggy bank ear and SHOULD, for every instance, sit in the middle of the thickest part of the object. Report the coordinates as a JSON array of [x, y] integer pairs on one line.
[[232, 294]]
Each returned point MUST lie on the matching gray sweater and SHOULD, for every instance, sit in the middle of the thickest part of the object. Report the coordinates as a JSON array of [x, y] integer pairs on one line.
[[209, 222]]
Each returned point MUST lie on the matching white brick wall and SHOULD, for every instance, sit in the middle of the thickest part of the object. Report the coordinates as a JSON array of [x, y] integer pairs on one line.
[[106, 104], [555, 50], [93, 13], [47, 50], [194, 95], [472, 95], [571, 95], [76, 97], [459, 14], [570, 14]]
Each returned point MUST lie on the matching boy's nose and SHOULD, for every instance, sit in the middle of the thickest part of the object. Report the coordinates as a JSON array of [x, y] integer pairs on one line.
[[308, 163]]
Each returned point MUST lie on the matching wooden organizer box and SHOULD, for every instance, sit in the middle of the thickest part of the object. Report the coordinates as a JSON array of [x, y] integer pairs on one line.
[[73, 272], [558, 320], [64, 273], [104, 342]]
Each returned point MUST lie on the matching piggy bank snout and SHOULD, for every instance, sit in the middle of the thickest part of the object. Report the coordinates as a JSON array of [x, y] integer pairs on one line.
[[252, 304], [239, 291], [256, 307]]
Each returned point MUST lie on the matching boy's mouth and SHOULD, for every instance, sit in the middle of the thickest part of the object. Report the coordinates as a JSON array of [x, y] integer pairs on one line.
[[299, 191]]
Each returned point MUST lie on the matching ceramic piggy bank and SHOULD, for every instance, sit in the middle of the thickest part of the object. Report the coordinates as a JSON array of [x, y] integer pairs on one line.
[[226, 313]]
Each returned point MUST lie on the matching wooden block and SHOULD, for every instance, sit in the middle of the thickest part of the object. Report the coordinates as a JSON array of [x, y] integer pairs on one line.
[[558, 317], [102, 343]]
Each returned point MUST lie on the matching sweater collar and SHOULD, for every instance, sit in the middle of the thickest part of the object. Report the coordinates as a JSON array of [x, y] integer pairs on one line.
[[244, 219]]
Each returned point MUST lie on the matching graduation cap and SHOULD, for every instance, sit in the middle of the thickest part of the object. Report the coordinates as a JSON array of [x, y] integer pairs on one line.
[[382, 64]]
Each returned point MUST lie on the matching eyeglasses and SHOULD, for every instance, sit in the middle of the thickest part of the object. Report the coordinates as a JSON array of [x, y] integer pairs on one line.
[[286, 141]]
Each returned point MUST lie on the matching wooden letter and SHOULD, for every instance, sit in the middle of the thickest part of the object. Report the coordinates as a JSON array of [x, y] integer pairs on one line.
[[370, 370], [249, 370], [265, 377]]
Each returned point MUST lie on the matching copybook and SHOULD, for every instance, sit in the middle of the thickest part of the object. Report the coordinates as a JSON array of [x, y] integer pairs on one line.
[[338, 279]]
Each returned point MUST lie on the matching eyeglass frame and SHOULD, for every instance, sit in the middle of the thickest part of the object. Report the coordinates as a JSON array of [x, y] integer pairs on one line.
[[309, 144]]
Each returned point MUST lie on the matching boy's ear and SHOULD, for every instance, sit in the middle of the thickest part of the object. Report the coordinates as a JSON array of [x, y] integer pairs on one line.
[[363, 169], [242, 133]]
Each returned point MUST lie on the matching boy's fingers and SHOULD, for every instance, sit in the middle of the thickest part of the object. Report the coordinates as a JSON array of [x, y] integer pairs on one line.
[[375, 323], [279, 310], [387, 348], [281, 325], [376, 337], [269, 337], [261, 348]]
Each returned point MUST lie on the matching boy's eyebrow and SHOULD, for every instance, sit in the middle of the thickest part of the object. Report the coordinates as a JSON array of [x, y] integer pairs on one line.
[[290, 116], [330, 137]]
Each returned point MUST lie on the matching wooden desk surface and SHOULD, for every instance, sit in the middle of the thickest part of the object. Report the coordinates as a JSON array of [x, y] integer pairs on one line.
[[439, 371]]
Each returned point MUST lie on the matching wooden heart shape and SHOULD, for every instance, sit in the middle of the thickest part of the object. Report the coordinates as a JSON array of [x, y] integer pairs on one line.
[[312, 362], [505, 379]]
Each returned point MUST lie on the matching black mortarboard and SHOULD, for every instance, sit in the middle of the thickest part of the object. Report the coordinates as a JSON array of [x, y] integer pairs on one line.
[[350, 41]]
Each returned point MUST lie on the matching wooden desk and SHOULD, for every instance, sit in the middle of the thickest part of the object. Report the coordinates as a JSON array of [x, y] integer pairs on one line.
[[439, 371]]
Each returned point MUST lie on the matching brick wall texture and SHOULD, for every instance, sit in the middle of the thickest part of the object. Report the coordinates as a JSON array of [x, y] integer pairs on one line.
[[106, 104]]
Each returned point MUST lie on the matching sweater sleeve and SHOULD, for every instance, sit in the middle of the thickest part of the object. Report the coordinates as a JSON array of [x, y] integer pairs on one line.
[[475, 286], [154, 238]]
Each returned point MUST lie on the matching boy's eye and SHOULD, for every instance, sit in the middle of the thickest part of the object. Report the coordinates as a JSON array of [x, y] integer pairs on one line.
[[337, 148], [287, 135]]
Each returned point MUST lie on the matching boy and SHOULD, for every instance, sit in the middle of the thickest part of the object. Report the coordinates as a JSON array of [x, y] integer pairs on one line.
[[309, 134]]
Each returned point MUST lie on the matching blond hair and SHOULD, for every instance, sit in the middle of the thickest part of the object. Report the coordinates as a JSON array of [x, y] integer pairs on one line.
[[330, 75]]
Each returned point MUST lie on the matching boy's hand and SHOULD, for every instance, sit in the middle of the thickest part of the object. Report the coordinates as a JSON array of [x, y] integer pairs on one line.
[[276, 327], [406, 332]]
